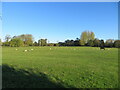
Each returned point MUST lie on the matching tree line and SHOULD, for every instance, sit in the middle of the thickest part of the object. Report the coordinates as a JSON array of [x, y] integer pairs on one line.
[[87, 38]]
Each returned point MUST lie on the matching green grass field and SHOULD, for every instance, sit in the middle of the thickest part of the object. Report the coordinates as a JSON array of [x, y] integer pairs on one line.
[[61, 67]]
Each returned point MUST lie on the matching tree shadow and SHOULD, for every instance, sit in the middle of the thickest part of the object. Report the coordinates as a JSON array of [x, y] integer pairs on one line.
[[12, 78]]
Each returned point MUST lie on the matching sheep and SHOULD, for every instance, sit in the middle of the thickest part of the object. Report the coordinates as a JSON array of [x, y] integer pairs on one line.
[[16, 49], [25, 50], [50, 48], [31, 49]]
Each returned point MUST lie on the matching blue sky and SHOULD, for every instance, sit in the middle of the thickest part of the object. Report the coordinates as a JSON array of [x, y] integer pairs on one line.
[[61, 20]]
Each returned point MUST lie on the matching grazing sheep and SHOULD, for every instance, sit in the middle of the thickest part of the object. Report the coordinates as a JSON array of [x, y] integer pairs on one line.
[[31, 49], [25, 50], [16, 49], [50, 48]]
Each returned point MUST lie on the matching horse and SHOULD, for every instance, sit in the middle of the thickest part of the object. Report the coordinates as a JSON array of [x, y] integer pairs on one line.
[[102, 48]]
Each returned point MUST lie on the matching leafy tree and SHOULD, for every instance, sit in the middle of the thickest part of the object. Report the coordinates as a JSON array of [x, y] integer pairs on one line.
[[61, 44], [91, 35], [109, 43], [42, 42], [117, 43], [16, 42], [0, 42], [50, 44], [56, 44], [6, 44], [96, 42], [86, 36], [53, 44], [27, 39], [39, 43], [69, 43], [90, 43], [35, 43], [7, 38], [77, 42], [21, 40]]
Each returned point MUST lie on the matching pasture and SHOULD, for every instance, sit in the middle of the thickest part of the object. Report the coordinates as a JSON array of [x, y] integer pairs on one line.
[[61, 67]]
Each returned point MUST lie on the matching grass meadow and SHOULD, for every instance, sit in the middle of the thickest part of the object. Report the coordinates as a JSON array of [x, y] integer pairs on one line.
[[61, 67]]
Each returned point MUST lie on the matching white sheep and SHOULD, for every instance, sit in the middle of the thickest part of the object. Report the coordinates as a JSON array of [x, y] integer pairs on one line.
[[25, 50], [50, 48], [31, 49], [16, 49]]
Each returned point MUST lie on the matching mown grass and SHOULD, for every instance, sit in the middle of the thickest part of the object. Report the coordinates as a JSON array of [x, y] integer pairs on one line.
[[66, 67]]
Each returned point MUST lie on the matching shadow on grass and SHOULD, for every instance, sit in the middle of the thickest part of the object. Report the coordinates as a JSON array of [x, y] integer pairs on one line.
[[12, 78]]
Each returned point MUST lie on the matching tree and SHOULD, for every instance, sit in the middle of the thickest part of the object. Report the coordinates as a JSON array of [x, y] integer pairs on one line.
[[96, 42], [45, 42], [83, 39], [27, 39], [50, 44], [6, 43], [117, 43], [42, 42], [35, 44], [0, 42], [7, 38], [56, 44], [16, 42], [39, 43], [91, 35], [90, 43], [86, 36], [109, 43], [77, 42], [69, 42], [61, 43]]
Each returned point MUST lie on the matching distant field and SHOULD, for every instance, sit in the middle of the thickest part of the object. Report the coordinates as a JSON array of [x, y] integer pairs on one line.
[[73, 67]]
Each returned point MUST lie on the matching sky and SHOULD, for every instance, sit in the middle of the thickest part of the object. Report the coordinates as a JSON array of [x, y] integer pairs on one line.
[[59, 21], [60, 0]]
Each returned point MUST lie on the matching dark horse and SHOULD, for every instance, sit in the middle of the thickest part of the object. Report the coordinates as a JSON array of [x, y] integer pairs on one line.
[[102, 45], [102, 48]]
